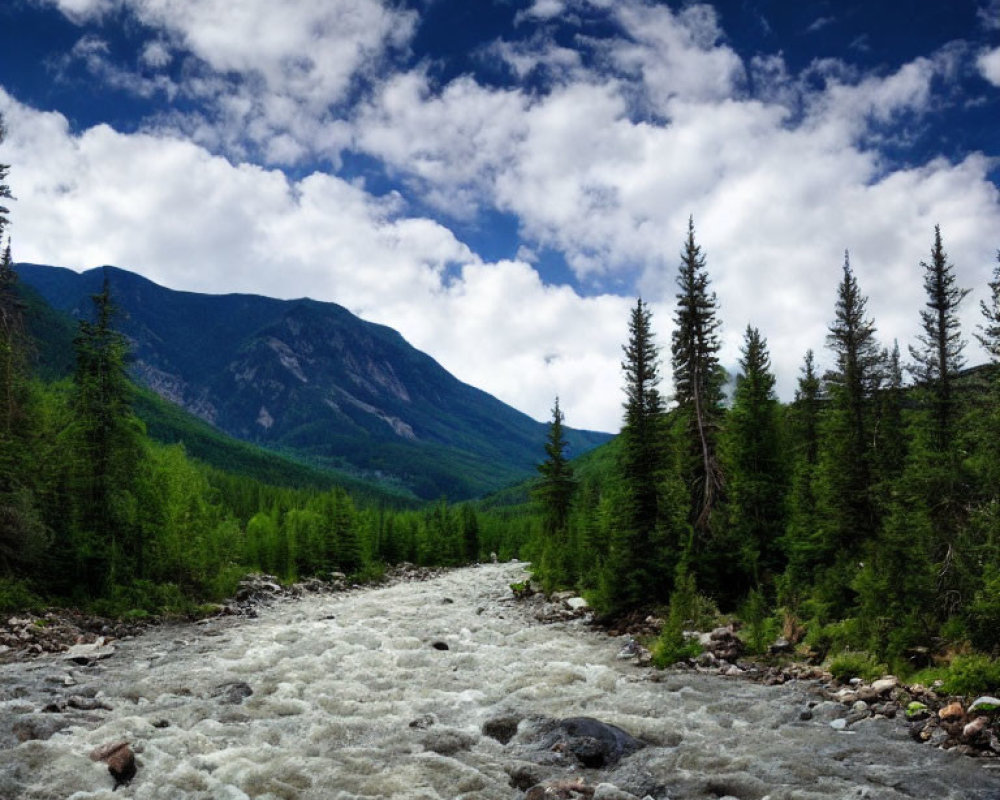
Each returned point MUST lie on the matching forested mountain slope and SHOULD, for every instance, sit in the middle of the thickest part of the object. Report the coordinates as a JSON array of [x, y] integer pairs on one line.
[[312, 380]]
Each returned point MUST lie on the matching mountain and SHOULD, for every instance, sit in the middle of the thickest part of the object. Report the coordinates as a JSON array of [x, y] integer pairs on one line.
[[311, 380]]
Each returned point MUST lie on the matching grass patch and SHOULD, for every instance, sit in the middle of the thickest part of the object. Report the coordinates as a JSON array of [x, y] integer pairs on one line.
[[856, 664]]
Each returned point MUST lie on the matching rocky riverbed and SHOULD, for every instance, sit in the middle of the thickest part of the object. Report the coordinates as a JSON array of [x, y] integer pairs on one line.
[[442, 688]]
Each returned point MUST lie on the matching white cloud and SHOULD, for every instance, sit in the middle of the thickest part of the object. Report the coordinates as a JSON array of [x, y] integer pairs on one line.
[[779, 186], [195, 221], [989, 65], [541, 9], [627, 136], [989, 14], [287, 64], [156, 54]]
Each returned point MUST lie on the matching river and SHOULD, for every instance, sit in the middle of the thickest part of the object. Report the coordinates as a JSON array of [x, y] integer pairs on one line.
[[385, 693]]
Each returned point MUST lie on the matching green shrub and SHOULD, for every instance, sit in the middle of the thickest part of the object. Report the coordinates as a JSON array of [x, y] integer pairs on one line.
[[760, 626], [834, 637], [983, 613], [672, 646], [856, 664], [688, 609], [972, 675], [373, 572], [16, 595]]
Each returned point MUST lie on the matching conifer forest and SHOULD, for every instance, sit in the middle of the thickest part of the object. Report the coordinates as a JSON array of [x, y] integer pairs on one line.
[[862, 517]]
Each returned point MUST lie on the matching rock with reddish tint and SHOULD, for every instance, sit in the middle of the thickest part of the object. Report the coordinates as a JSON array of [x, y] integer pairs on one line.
[[120, 760], [974, 729], [952, 712]]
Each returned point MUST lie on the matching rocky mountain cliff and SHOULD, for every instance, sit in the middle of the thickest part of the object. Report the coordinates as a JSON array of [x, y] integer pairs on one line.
[[311, 379]]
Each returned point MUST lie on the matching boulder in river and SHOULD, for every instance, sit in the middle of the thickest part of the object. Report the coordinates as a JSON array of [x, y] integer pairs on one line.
[[120, 760], [85, 654], [232, 693], [592, 743]]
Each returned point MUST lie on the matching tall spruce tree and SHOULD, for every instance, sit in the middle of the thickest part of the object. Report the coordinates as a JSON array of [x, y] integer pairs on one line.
[[801, 543], [554, 494], [938, 359], [845, 496], [109, 449], [698, 382], [23, 535], [633, 572], [755, 468]]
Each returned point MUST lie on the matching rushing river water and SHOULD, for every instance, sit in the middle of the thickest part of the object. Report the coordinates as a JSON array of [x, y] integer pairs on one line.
[[354, 696]]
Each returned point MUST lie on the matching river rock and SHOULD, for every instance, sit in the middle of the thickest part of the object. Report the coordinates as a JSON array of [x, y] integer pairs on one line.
[[985, 704], [952, 712], [232, 693], [577, 604], [972, 730], [608, 791], [596, 744], [120, 760], [725, 644], [885, 685], [559, 790], [257, 587], [85, 654], [502, 729], [780, 645]]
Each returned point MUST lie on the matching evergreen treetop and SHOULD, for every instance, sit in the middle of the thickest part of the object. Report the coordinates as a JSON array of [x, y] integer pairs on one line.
[[988, 333], [698, 378], [938, 359]]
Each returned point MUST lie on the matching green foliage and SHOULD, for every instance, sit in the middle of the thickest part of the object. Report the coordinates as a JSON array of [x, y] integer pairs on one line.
[[698, 386], [554, 495], [856, 664], [982, 618], [16, 595], [760, 626], [971, 675], [752, 450], [687, 611]]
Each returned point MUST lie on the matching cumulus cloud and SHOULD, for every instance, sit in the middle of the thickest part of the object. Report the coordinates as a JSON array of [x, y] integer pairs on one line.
[[197, 222], [605, 168], [261, 69], [989, 65], [601, 155]]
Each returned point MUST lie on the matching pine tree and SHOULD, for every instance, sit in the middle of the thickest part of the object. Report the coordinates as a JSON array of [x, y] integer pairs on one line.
[[851, 386], [632, 573], [844, 481], [108, 438], [698, 381], [801, 543], [554, 494], [756, 472], [890, 429], [988, 333], [939, 358]]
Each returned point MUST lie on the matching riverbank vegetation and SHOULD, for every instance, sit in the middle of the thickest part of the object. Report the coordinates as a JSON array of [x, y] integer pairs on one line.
[[859, 519]]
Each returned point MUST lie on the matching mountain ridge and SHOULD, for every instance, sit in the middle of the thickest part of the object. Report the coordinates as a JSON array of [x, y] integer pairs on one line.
[[310, 378]]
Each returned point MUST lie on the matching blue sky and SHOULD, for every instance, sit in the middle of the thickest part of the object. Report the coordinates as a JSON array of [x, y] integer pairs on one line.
[[499, 180]]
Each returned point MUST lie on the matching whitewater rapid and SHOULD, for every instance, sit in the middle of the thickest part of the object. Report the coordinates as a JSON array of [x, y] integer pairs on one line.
[[355, 696]]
